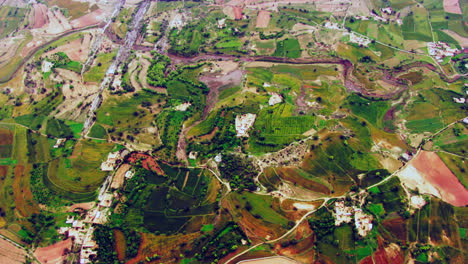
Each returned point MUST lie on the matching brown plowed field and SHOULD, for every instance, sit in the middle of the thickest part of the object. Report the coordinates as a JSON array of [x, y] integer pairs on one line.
[[434, 170], [23, 196]]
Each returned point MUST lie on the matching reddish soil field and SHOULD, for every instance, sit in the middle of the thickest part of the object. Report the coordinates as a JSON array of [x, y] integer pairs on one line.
[[3, 171], [452, 6], [92, 18], [434, 170], [385, 255], [167, 246], [291, 175], [53, 253], [254, 228], [148, 162], [6, 137], [263, 19], [120, 245], [40, 15], [23, 197], [237, 12], [397, 227]]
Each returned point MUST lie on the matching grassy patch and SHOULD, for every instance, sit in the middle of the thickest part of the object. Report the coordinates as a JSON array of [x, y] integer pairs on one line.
[[58, 128], [96, 73], [289, 48], [97, 131]]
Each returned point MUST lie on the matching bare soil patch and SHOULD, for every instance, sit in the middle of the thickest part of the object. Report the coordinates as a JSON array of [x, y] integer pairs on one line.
[[40, 15], [85, 206], [92, 18], [76, 50], [263, 19], [6, 137], [452, 6], [118, 180], [53, 254], [439, 175]]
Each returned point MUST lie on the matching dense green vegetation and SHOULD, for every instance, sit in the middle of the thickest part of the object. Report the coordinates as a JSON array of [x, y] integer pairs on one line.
[[239, 171]]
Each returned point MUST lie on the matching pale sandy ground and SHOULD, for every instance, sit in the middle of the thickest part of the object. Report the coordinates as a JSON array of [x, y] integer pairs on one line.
[[92, 18], [269, 260], [304, 206], [452, 6], [15, 3], [119, 177], [287, 190], [411, 177], [303, 27]]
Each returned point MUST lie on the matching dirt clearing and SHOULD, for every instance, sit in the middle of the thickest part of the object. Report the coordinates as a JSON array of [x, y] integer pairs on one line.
[[53, 254], [429, 174], [263, 19], [90, 19], [40, 15], [76, 50], [452, 6]]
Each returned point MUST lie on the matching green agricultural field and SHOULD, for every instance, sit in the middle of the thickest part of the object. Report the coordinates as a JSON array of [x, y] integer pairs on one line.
[[102, 63], [371, 110], [97, 131], [260, 205], [83, 177], [289, 48], [119, 111], [58, 128], [12, 19], [275, 127], [75, 127], [416, 26]]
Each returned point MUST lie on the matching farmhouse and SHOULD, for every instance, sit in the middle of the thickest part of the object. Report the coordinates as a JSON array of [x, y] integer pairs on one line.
[[59, 142], [343, 214], [439, 50], [112, 159], [275, 99], [363, 222]]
